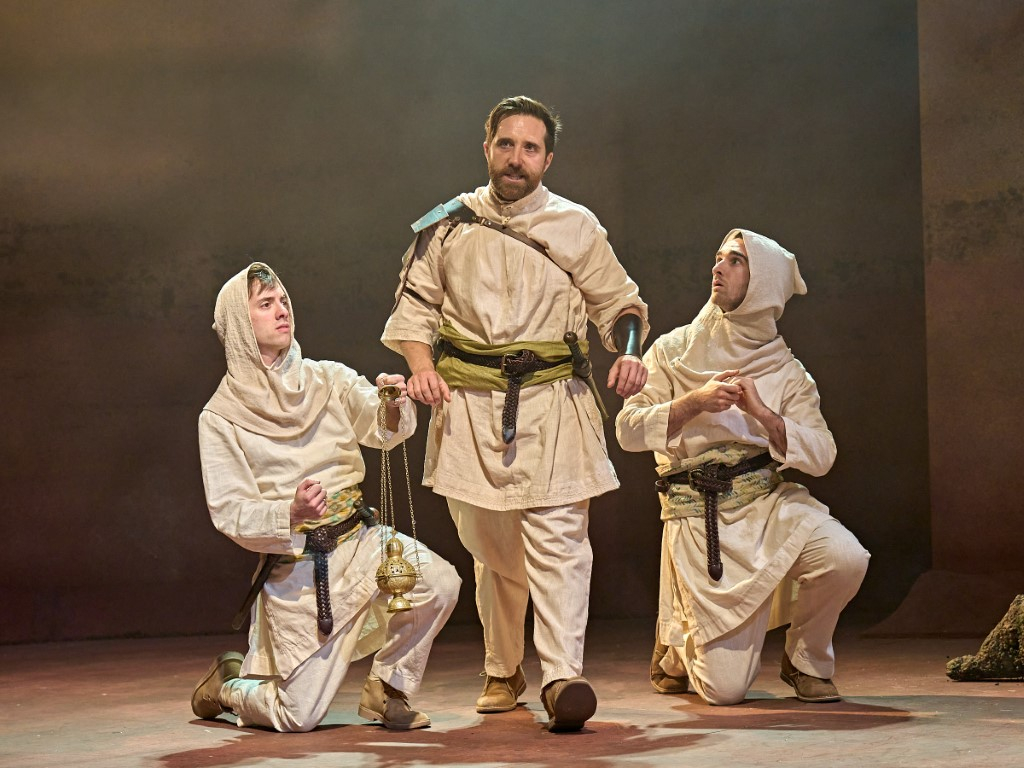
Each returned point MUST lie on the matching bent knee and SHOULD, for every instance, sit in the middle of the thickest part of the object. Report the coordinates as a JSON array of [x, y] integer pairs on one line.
[[845, 556], [301, 719], [444, 581], [851, 561], [722, 695], [299, 727], [722, 689]]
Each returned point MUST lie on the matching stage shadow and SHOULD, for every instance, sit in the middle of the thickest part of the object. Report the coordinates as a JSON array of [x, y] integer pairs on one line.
[[786, 714], [513, 738]]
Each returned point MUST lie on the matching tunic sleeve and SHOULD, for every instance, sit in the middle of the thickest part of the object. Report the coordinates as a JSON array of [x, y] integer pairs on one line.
[[362, 405], [810, 445], [606, 288], [417, 313], [642, 424], [232, 494]]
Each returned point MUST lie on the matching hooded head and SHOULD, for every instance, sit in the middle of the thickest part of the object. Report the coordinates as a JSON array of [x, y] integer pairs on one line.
[[774, 278], [254, 316], [279, 398], [741, 334]]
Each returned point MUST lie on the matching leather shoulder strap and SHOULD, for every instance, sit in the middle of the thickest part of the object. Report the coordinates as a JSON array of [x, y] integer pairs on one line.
[[460, 213], [456, 212]]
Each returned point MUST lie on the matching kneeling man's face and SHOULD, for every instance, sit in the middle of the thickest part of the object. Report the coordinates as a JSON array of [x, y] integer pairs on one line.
[[730, 275], [271, 322]]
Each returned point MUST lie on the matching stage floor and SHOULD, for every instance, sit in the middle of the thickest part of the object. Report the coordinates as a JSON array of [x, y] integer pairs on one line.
[[126, 703]]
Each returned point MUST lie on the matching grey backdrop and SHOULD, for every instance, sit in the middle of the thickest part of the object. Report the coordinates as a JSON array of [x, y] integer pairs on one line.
[[151, 150]]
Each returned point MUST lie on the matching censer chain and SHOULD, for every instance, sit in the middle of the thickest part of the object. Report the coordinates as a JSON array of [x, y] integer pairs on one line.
[[387, 501]]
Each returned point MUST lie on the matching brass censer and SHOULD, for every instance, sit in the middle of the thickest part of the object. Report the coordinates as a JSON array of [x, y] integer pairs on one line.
[[395, 575]]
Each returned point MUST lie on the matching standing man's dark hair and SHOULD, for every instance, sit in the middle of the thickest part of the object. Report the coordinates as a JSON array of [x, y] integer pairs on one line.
[[524, 105]]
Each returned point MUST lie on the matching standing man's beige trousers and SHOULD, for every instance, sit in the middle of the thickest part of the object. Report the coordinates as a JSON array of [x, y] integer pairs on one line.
[[544, 554]]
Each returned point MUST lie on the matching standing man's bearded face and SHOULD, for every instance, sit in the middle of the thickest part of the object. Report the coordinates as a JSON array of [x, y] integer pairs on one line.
[[517, 156]]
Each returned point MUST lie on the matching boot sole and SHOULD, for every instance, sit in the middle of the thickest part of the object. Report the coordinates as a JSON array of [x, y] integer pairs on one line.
[[674, 688], [808, 699], [368, 714], [576, 704]]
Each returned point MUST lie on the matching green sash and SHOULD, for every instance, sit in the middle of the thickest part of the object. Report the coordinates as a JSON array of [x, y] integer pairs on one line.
[[460, 374]]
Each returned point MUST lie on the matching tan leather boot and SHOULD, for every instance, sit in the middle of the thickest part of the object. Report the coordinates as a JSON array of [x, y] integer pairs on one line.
[[206, 701], [501, 694], [815, 690], [382, 702], [660, 679]]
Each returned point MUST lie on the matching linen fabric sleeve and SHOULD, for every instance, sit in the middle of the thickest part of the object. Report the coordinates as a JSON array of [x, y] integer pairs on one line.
[[417, 312], [362, 405], [606, 287], [642, 424], [810, 445], [236, 505]]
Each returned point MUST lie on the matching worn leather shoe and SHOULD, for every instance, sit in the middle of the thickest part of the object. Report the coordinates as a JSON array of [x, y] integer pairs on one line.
[[501, 694], [814, 690], [660, 679], [569, 704], [206, 702], [380, 701]]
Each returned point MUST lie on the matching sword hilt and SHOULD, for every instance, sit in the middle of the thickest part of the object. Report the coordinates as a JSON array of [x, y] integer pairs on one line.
[[580, 363]]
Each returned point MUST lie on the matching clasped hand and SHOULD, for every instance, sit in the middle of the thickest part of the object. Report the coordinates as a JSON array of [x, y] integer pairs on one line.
[[429, 388], [728, 388]]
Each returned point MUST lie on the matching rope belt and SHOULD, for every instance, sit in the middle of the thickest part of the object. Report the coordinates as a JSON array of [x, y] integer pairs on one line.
[[320, 542], [711, 480], [513, 366]]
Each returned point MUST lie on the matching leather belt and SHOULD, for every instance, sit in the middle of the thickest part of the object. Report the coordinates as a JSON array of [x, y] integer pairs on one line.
[[710, 480], [320, 542], [513, 366]]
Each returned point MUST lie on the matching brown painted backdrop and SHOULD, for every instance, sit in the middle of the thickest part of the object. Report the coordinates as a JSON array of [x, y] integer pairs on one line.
[[973, 205], [150, 150]]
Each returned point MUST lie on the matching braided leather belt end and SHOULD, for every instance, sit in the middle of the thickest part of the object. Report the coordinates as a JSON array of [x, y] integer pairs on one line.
[[320, 542], [710, 480]]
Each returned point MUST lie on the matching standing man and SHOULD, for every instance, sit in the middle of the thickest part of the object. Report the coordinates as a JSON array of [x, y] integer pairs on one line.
[[279, 443], [726, 408], [496, 278]]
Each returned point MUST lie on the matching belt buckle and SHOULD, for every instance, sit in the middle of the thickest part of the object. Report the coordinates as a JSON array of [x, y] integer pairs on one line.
[[708, 469], [664, 483], [512, 359]]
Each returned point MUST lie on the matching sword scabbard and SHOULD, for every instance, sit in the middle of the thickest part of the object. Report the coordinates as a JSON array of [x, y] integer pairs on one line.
[[269, 561], [582, 368]]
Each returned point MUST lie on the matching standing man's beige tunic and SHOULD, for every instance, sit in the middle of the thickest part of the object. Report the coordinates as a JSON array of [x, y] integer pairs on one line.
[[494, 289]]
